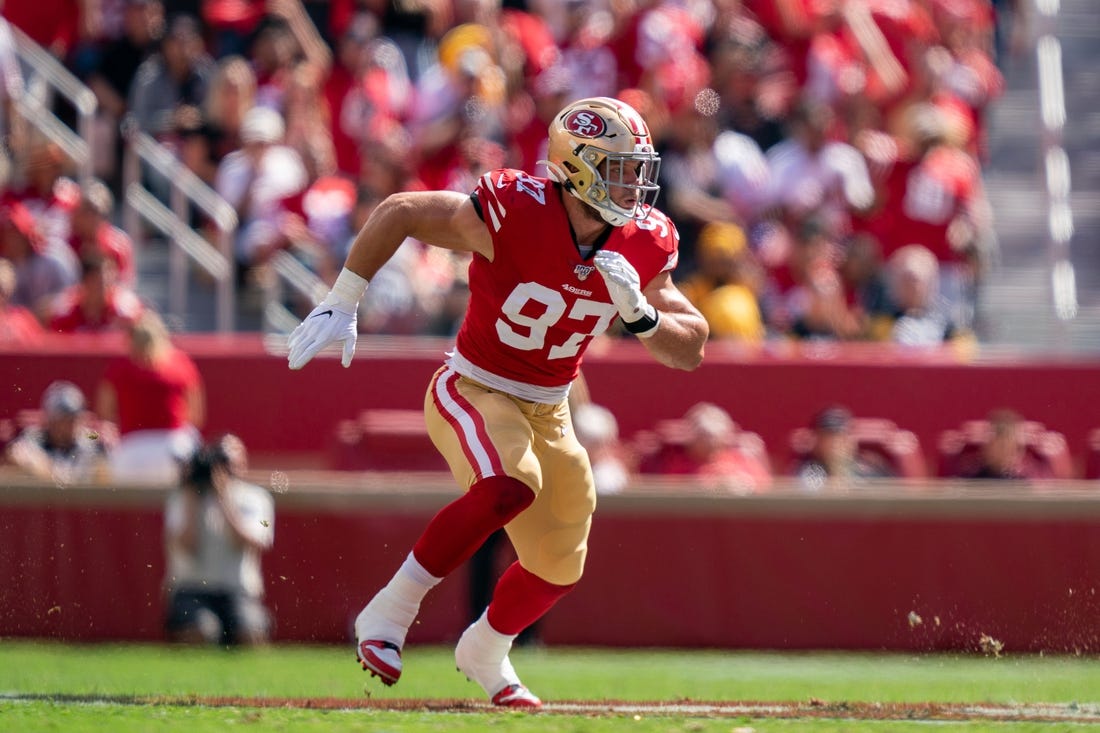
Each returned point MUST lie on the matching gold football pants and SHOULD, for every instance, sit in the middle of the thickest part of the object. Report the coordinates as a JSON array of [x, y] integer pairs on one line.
[[483, 432]]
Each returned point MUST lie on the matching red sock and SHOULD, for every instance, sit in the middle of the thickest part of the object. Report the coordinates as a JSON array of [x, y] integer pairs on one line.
[[521, 598], [455, 533]]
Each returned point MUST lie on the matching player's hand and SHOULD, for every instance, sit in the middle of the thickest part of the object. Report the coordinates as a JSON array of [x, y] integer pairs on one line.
[[333, 320], [625, 287]]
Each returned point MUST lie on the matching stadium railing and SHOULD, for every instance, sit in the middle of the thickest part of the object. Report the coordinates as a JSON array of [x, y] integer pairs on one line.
[[45, 77]]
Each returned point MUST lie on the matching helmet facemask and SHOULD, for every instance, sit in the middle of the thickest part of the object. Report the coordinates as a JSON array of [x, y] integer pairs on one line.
[[632, 173]]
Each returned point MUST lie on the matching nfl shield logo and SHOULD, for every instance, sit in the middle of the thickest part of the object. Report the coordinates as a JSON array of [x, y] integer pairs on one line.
[[583, 271]]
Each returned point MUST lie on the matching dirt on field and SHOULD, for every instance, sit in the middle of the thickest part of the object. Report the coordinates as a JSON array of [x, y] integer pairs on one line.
[[814, 708]]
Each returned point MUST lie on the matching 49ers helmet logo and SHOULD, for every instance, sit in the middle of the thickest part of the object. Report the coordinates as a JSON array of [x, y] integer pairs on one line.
[[584, 123]]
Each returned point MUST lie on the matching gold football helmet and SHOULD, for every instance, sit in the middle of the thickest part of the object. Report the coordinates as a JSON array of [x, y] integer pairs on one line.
[[599, 143]]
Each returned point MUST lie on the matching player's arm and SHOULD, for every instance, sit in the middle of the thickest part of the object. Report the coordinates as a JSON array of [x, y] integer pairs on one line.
[[681, 331], [441, 218], [671, 328]]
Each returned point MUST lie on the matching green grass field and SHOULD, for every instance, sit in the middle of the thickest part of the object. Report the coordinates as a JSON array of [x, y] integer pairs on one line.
[[50, 686]]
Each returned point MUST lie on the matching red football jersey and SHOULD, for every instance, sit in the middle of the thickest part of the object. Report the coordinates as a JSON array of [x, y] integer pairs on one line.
[[537, 305]]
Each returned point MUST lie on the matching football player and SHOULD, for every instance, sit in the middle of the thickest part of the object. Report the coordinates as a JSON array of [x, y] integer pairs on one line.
[[555, 261]]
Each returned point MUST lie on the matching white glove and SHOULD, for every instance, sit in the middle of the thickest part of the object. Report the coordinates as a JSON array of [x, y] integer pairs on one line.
[[332, 321], [625, 287]]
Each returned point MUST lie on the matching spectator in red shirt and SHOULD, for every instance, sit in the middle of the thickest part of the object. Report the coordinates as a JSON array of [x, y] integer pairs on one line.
[[934, 196], [56, 25], [806, 296], [155, 396], [47, 193], [585, 54], [343, 81], [970, 74], [378, 96], [94, 236], [712, 453], [1004, 454], [316, 224], [284, 37], [98, 303], [527, 142], [43, 267]]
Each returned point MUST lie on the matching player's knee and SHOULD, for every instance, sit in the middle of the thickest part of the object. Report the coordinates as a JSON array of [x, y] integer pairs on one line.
[[561, 558], [507, 496], [563, 573]]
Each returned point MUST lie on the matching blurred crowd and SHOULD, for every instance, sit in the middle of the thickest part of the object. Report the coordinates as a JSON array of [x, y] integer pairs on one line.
[[822, 159], [141, 431], [834, 452]]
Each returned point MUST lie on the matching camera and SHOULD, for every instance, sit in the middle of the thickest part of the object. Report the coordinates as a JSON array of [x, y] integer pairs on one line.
[[198, 472]]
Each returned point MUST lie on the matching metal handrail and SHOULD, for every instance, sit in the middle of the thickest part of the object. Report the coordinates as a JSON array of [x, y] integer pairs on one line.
[[223, 215], [75, 147], [185, 189], [202, 252], [45, 76], [298, 276], [41, 65], [301, 280]]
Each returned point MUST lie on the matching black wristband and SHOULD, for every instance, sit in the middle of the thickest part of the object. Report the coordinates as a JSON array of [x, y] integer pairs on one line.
[[644, 326]]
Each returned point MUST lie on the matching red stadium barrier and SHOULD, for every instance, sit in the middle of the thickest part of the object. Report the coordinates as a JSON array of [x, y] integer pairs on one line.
[[891, 570]]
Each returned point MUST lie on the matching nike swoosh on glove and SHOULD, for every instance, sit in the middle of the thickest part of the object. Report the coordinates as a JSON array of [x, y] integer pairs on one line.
[[624, 285], [330, 322]]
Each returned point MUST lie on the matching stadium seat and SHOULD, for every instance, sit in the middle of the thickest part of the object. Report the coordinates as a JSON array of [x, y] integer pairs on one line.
[[385, 440], [899, 448], [668, 438], [959, 449]]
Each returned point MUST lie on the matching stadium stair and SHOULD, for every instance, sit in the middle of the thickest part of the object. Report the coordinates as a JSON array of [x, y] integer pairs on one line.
[[1016, 307]]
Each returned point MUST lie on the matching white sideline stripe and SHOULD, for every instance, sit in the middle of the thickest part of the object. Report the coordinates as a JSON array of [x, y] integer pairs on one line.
[[465, 423], [949, 712]]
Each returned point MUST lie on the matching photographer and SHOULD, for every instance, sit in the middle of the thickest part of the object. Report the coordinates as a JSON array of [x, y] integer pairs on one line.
[[216, 527]]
